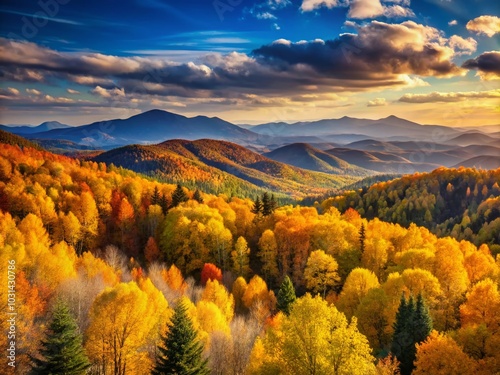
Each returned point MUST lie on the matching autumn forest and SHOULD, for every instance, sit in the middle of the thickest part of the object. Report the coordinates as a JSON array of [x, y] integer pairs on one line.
[[134, 276]]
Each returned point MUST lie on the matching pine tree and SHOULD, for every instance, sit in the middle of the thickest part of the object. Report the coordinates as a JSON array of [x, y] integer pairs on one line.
[[257, 206], [362, 237], [273, 204], [286, 296], [181, 353], [155, 197], [62, 349], [266, 204], [178, 196], [422, 320], [163, 203], [412, 326], [197, 196]]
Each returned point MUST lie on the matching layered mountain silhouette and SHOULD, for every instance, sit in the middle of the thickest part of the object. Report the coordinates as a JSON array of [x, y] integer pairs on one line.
[[346, 146]]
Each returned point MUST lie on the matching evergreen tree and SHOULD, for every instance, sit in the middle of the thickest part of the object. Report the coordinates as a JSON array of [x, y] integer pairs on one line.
[[181, 353], [362, 237], [163, 203], [273, 204], [412, 326], [197, 196], [62, 349], [286, 296], [266, 204], [155, 198], [178, 196], [257, 206], [422, 320]]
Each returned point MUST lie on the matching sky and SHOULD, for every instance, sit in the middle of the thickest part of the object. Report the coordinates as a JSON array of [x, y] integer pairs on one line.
[[250, 62]]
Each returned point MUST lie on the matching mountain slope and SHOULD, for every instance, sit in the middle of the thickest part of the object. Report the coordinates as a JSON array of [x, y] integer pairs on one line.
[[25, 130], [149, 127], [16, 140], [217, 164], [305, 156], [481, 162]]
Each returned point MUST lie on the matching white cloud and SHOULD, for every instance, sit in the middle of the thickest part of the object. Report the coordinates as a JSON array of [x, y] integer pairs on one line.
[[487, 25], [265, 16], [33, 92], [73, 92], [310, 5], [449, 97], [104, 93], [462, 46], [452, 23], [364, 9], [378, 102]]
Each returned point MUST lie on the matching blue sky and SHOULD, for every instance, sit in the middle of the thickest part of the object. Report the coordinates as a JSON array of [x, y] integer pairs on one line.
[[432, 61]]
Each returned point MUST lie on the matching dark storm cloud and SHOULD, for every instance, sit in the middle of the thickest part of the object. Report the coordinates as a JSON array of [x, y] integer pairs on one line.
[[488, 63]]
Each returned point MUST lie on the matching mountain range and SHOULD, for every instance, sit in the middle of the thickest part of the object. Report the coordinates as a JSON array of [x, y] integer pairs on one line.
[[335, 147]]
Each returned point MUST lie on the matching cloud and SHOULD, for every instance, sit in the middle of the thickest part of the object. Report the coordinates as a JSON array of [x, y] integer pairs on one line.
[[379, 55], [487, 64], [449, 97], [452, 23], [102, 92], [310, 5], [265, 16], [9, 92], [33, 92], [487, 25], [463, 46], [363, 9], [378, 102], [73, 92], [379, 52]]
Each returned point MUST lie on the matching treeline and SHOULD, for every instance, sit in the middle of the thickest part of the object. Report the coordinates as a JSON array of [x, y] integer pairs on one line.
[[279, 292], [463, 203]]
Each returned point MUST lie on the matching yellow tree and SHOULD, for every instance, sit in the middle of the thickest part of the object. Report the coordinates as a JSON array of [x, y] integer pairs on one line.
[[217, 294], [482, 306], [323, 345], [238, 291], [240, 257], [440, 354], [356, 286], [120, 324], [321, 272], [268, 252]]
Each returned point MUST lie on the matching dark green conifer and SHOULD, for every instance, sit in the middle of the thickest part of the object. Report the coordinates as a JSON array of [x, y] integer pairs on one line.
[[412, 326], [266, 204], [286, 296], [197, 196], [178, 196], [257, 206], [155, 198], [61, 351], [180, 352], [362, 237]]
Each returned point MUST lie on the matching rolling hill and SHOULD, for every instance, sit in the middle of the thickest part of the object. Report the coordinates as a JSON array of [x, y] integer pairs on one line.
[[305, 156], [218, 166]]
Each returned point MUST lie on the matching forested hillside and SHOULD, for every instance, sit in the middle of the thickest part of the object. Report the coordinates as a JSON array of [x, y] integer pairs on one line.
[[463, 203], [281, 290], [221, 167]]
